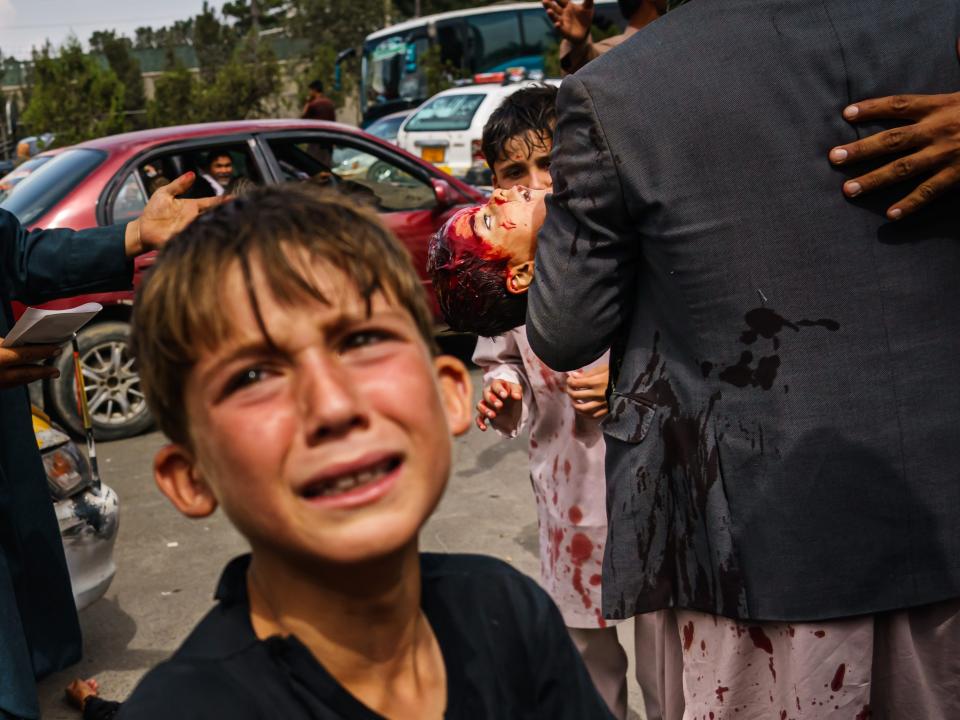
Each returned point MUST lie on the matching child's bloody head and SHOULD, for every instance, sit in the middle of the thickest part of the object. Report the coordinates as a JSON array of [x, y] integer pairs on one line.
[[481, 262]]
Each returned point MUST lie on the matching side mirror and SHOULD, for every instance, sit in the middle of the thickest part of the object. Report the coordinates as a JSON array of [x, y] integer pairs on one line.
[[444, 192]]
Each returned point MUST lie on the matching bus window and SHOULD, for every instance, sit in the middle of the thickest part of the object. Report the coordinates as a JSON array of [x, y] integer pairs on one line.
[[494, 40], [538, 32], [450, 39], [384, 66]]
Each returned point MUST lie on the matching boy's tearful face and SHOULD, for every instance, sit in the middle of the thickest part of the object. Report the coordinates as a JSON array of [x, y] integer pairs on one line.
[[329, 440], [525, 161]]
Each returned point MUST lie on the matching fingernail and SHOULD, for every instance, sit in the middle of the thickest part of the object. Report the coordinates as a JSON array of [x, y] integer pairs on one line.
[[838, 155], [56, 374], [852, 189], [851, 111], [895, 214]]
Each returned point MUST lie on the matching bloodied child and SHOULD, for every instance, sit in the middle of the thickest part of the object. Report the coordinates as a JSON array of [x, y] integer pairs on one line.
[[300, 392], [482, 264]]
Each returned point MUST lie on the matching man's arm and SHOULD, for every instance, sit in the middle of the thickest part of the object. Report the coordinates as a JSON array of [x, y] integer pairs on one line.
[[587, 250], [45, 264]]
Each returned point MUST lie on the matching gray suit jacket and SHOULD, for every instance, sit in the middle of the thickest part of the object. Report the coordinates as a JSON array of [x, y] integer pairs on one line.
[[784, 436]]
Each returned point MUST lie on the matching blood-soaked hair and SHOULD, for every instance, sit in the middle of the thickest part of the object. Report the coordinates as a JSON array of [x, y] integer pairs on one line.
[[471, 283], [528, 115]]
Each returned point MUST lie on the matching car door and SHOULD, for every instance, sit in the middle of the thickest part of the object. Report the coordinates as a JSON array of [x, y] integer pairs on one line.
[[401, 190]]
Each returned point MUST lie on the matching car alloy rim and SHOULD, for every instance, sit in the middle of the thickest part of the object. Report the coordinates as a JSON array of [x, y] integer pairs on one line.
[[112, 384]]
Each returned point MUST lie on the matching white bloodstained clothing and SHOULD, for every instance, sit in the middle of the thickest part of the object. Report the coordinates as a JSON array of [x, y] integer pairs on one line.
[[567, 474]]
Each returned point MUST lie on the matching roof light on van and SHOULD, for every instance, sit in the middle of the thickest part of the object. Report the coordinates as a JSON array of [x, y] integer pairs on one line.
[[491, 77]]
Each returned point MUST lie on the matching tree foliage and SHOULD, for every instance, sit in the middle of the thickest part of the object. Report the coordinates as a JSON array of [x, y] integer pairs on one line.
[[126, 67], [72, 95]]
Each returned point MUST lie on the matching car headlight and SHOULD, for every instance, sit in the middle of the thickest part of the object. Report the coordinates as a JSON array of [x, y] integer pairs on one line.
[[67, 470]]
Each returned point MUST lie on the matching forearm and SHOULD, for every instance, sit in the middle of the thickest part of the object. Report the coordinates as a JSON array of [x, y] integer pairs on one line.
[[574, 56], [46, 264]]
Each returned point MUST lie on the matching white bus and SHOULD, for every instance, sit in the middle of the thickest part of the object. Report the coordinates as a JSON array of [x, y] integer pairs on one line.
[[479, 40]]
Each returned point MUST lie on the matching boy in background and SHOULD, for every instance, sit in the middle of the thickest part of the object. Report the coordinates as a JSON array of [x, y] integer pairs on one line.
[[561, 410], [300, 391]]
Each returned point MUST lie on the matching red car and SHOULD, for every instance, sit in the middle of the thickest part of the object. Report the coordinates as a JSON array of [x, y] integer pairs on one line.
[[109, 180]]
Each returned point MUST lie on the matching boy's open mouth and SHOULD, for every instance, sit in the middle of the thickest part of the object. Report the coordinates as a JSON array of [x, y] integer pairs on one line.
[[345, 482]]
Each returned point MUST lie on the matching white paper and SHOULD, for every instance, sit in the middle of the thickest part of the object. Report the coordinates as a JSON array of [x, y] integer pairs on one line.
[[49, 327]]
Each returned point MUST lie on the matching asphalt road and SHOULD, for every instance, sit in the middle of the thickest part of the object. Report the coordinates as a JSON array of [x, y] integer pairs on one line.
[[168, 565]]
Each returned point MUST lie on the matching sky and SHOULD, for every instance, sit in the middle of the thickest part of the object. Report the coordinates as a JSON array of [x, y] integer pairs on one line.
[[28, 23]]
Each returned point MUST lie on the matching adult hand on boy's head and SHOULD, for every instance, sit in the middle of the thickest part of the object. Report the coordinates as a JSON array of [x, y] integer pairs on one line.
[[20, 365], [572, 20], [588, 390], [166, 215], [501, 406]]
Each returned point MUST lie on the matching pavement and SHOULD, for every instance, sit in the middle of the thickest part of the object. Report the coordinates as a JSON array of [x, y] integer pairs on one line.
[[168, 565]]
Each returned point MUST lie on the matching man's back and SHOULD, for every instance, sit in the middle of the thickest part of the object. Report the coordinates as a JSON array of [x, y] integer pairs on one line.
[[782, 437]]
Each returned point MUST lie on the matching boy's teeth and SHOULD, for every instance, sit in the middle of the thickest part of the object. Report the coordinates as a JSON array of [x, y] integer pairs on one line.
[[348, 482]]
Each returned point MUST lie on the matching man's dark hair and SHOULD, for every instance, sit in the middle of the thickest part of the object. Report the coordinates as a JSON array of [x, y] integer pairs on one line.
[[316, 86], [214, 154], [472, 290], [532, 110]]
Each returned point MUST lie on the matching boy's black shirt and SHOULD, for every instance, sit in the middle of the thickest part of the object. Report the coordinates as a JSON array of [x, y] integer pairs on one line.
[[506, 651]]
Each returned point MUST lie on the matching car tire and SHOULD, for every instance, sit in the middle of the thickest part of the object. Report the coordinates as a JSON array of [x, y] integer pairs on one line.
[[116, 403], [380, 172]]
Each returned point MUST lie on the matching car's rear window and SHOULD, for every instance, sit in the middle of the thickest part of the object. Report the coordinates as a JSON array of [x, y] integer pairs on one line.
[[447, 112], [50, 183]]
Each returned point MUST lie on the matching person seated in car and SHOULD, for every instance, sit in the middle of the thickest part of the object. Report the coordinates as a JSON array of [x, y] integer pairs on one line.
[[216, 174]]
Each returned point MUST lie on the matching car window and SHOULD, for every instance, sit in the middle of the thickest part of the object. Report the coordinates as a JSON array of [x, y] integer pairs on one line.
[[354, 170], [51, 182], [446, 112], [130, 199], [160, 168]]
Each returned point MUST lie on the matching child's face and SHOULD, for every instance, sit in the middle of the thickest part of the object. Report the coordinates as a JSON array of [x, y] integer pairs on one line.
[[525, 162], [508, 223], [333, 443]]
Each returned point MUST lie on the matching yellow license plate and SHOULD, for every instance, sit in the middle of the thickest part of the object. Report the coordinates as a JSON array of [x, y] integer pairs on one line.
[[433, 154]]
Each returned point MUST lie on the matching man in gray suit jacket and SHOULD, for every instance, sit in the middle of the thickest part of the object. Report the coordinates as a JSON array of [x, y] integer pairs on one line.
[[782, 447]]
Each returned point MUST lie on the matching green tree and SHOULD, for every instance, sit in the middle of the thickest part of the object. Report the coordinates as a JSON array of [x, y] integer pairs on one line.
[[242, 85], [116, 50], [176, 94], [211, 42], [269, 14], [73, 96]]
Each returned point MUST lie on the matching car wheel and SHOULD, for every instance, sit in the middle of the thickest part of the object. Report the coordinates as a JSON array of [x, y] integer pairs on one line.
[[116, 403], [380, 172]]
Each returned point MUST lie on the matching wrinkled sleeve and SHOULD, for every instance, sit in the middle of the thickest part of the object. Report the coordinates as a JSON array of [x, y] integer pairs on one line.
[[500, 359], [587, 250], [46, 264]]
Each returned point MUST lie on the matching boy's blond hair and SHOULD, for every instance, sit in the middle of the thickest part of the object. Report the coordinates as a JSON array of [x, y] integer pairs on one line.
[[179, 311]]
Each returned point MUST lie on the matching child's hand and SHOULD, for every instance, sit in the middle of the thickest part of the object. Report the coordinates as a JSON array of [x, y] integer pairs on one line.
[[501, 406], [588, 390]]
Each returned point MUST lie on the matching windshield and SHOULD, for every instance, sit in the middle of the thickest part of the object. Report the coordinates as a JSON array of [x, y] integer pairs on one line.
[[386, 128], [50, 183], [383, 68], [445, 112], [15, 176]]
